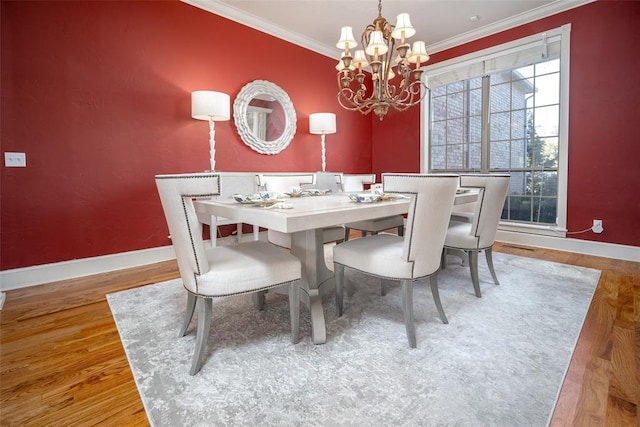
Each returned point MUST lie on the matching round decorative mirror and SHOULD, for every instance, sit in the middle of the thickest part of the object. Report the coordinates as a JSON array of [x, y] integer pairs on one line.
[[264, 117]]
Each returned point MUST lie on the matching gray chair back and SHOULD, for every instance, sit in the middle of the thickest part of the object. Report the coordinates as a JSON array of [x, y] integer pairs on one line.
[[488, 209], [428, 216], [177, 193]]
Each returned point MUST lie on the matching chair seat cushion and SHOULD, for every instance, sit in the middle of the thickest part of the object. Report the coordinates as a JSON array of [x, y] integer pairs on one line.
[[246, 267], [377, 224], [380, 255], [459, 236], [329, 235]]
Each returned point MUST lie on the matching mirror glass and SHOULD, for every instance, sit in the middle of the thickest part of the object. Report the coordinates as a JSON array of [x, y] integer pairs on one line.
[[264, 117]]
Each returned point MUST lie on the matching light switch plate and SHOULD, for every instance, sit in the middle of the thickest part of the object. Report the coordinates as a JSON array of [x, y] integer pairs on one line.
[[15, 160]]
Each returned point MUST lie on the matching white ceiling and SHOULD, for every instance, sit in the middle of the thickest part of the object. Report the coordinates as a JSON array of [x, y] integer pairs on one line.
[[315, 24]]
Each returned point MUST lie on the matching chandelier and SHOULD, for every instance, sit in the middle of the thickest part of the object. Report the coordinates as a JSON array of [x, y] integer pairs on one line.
[[399, 89]]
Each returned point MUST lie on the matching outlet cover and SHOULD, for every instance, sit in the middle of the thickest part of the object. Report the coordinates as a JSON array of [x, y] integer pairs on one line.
[[15, 160]]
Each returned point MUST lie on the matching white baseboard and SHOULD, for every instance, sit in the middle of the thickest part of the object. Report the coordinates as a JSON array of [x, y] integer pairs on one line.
[[47, 273], [587, 247]]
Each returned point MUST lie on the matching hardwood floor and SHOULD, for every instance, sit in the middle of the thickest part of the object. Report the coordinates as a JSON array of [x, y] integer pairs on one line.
[[62, 362]]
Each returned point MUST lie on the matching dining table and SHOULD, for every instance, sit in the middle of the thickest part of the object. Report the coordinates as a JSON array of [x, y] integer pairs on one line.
[[304, 218]]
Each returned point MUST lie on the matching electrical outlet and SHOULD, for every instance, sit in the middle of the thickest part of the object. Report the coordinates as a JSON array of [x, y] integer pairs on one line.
[[15, 160], [597, 226]]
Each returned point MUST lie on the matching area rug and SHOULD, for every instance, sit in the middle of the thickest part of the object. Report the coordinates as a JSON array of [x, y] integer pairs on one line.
[[499, 362]]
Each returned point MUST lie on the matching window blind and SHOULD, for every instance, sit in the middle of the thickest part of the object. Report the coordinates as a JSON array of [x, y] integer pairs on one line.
[[517, 54]]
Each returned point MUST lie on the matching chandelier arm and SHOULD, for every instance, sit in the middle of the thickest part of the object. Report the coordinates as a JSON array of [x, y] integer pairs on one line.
[[350, 100]]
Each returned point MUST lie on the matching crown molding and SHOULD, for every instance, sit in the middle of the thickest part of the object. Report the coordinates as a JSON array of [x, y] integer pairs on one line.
[[506, 24], [217, 7], [234, 14]]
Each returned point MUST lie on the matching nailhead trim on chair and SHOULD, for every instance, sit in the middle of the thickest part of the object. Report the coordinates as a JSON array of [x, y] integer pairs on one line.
[[266, 288], [416, 196], [184, 208], [387, 277]]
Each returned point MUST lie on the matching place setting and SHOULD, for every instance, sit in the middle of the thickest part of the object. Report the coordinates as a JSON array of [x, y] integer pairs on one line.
[[263, 199]]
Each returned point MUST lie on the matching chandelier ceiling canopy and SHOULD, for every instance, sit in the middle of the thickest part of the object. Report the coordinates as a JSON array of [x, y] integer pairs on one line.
[[399, 89]]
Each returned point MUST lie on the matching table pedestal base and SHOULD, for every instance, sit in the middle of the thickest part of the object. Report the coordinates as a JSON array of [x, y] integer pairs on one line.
[[308, 246]]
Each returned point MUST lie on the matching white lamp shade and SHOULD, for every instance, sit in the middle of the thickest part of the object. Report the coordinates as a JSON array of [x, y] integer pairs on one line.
[[403, 24], [346, 39], [377, 45], [206, 104], [322, 123], [418, 53], [360, 59]]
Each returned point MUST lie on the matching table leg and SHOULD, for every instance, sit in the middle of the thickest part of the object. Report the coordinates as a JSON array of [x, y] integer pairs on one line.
[[308, 246]]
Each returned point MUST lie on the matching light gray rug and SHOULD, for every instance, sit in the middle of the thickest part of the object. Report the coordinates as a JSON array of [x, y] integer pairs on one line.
[[499, 362]]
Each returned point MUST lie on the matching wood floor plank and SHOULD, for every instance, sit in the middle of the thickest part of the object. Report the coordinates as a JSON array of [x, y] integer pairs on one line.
[[566, 404], [592, 405], [621, 413], [62, 362], [624, 379]]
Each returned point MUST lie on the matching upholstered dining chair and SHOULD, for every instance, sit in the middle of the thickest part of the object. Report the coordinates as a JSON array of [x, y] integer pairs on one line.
[[355, 183], [221, 271], [282, 183], [477, 232], [408, 258]]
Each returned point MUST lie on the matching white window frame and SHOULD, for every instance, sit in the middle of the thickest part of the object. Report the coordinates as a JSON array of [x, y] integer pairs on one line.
[[476, 59]]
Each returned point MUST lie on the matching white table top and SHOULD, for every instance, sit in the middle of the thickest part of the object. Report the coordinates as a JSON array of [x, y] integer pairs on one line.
[[307, 212], [310, 212]]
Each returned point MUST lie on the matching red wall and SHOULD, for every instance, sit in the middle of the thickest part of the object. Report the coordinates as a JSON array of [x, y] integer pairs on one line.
[[97, 94], [604, 110]]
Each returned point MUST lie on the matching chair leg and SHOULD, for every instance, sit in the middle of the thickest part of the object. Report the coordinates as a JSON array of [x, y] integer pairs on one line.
[[489, 254], [473, 267], [188, 315], [348, 287], [383, 286], [258, 299], [443, 259], [204, 325], [294, 310], [401, 230], [407, 310], [338, 270], [363, 233], [436, 297], [347, 230]]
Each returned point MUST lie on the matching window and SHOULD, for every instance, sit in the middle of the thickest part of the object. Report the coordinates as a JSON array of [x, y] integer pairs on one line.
[[504, 110]]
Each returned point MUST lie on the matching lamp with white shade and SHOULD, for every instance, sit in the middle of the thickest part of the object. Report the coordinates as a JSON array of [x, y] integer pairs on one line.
[[214, 107], [322, 124]]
